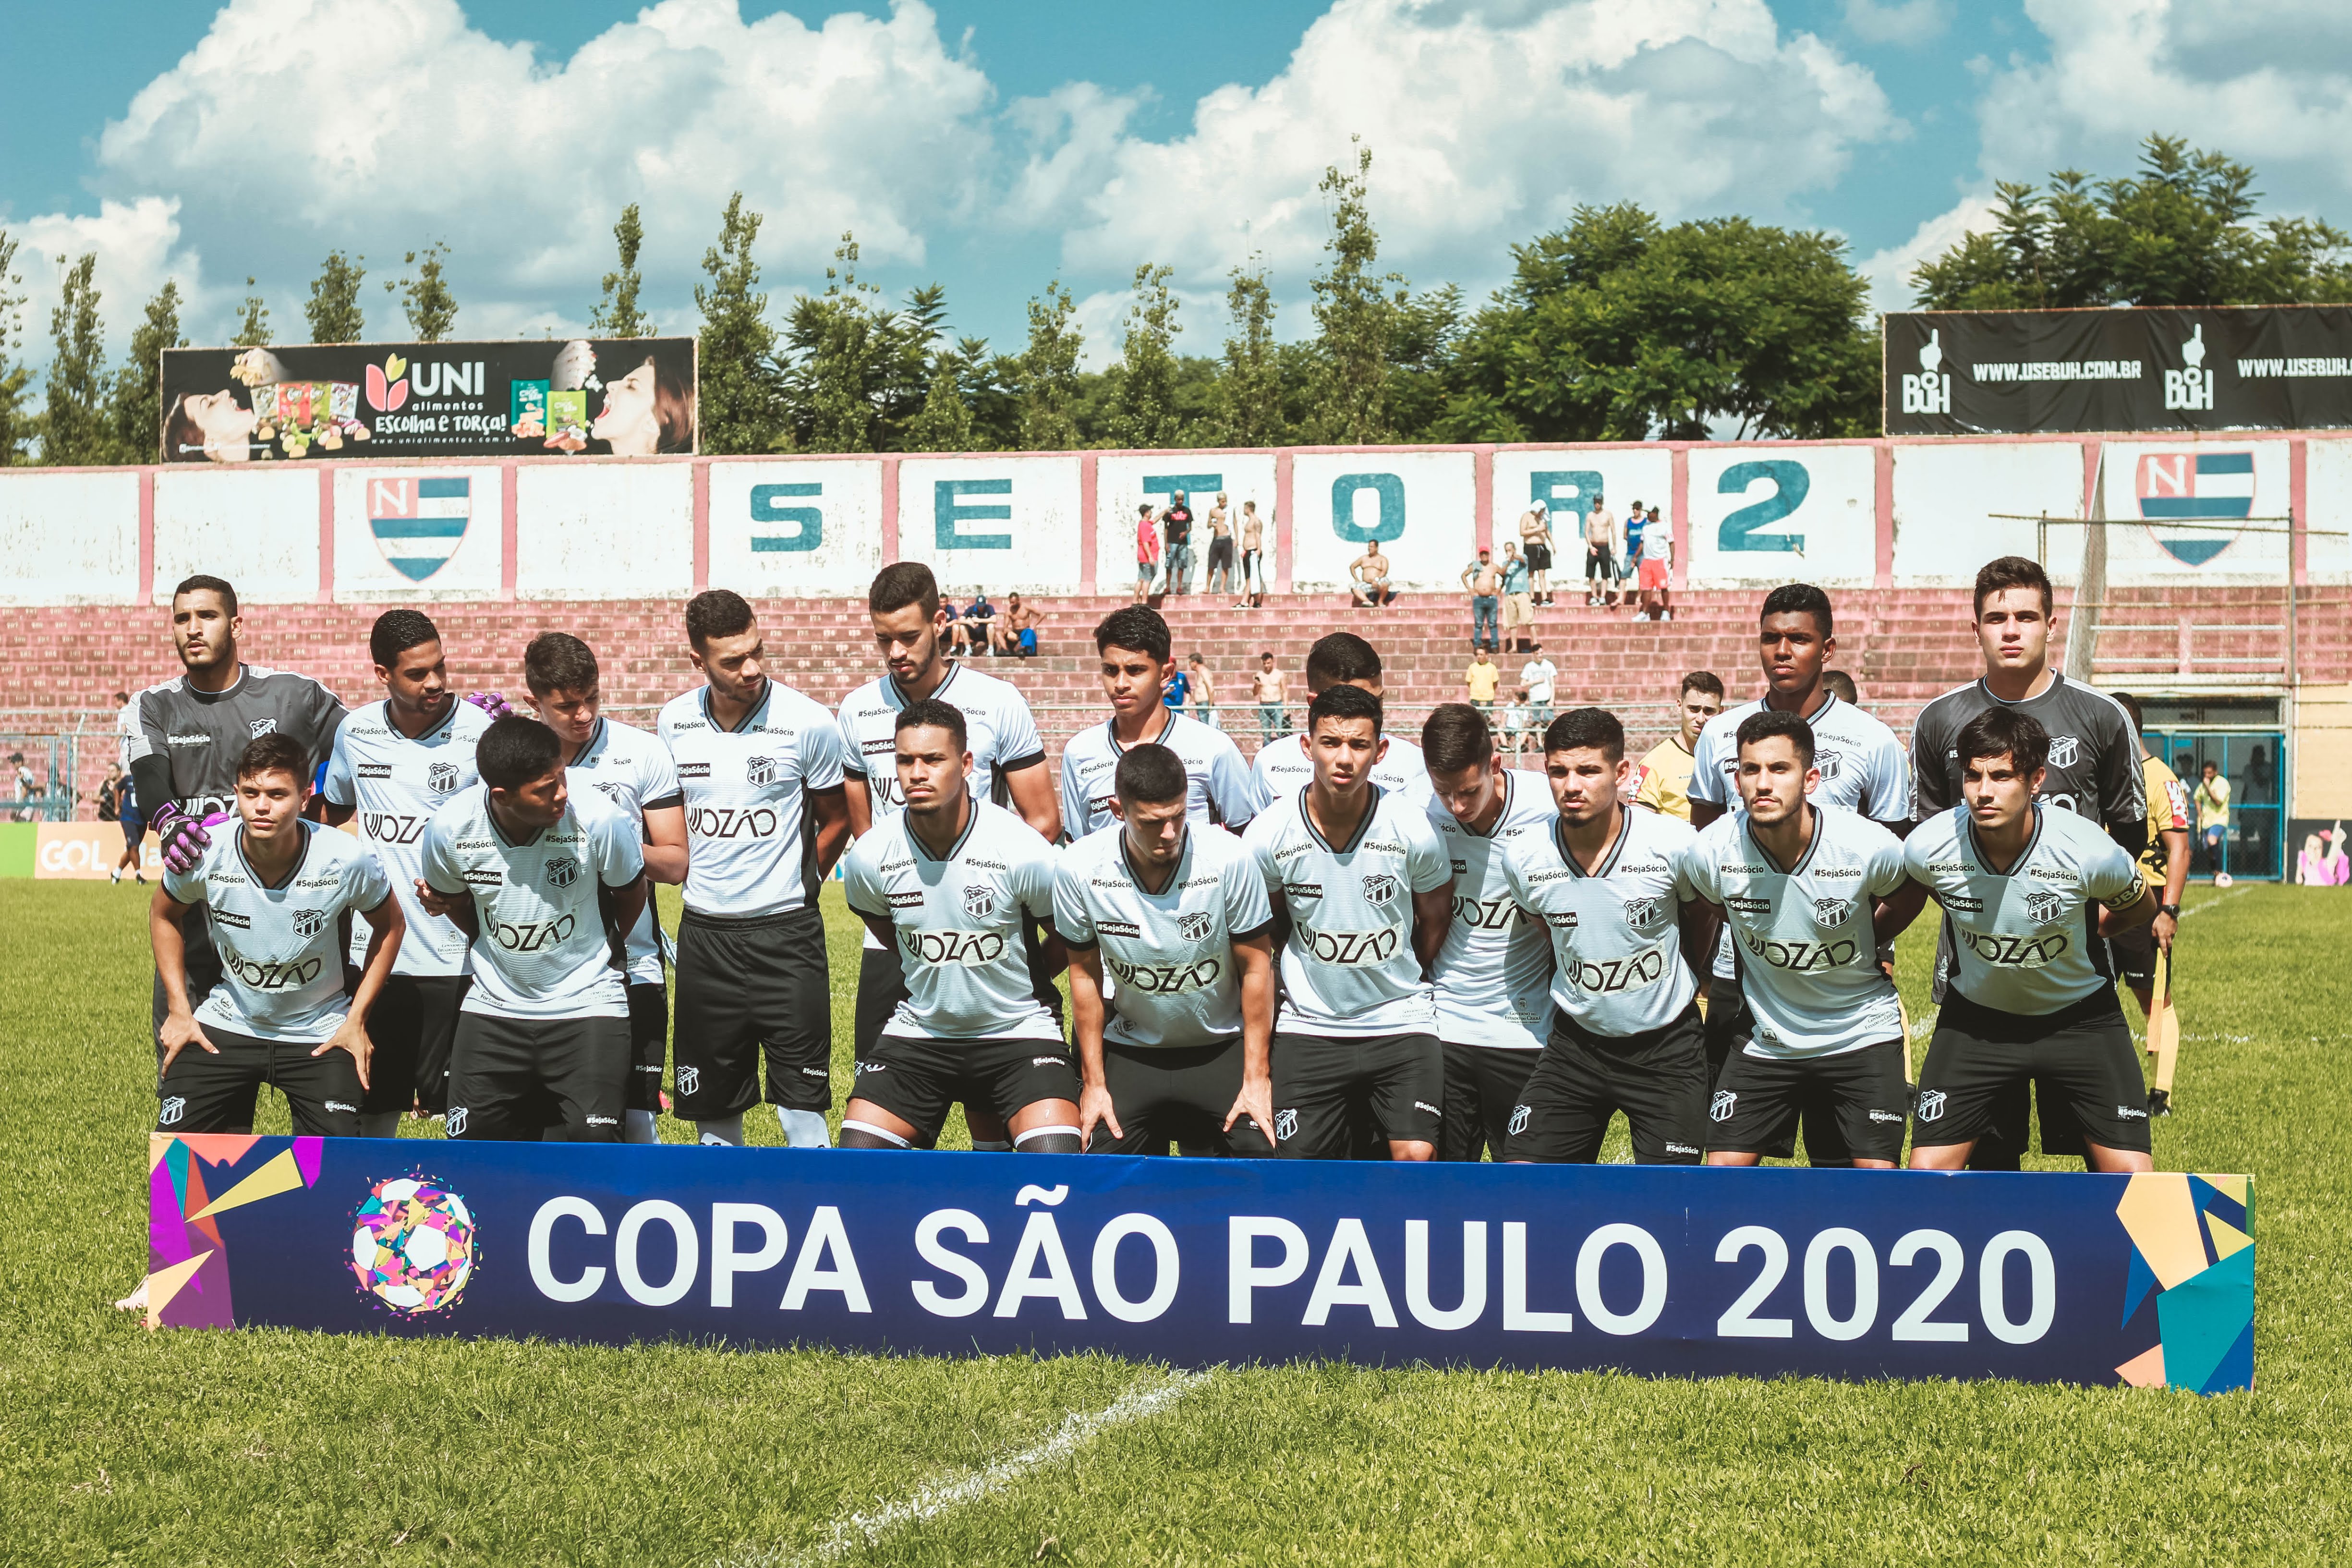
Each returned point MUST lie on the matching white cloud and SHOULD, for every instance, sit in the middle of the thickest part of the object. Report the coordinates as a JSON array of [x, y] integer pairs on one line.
[[1908, 23], [138, 247], [1889, 270]]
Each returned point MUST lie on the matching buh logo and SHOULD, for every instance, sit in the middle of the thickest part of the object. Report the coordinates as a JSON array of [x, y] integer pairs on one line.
[[2191, 387], [1930, 391]]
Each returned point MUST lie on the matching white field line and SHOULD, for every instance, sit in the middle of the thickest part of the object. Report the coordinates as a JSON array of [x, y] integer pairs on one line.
[[1078, 1429], [2208, 903]]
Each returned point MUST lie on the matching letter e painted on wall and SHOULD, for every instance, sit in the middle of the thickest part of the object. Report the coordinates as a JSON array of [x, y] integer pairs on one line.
[[949, 514]]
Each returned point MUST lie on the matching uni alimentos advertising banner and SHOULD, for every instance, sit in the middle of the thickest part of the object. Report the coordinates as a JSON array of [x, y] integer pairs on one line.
[[613, 396]]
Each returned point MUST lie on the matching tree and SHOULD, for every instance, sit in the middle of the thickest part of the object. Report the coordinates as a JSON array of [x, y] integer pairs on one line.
[[737, 403], [333, 307], [1355, 311], [1049, 372], [1146, 407], [1249, 391], [74, 425], [2182, 231], [138, 385], [429, 306], [253, 328], [16, 422], [944, 422], [854, 373], [1424, 340], [616, 314]]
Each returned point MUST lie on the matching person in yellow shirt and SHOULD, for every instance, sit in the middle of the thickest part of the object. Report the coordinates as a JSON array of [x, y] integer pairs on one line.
[[2163, 865], [1482, 678], [1663, 778]]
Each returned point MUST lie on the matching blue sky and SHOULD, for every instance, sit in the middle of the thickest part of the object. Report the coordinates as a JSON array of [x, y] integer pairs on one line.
[[992, 146]]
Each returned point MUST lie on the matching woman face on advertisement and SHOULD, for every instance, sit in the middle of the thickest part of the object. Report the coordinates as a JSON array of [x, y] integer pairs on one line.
[[628, 420], [217, 423]]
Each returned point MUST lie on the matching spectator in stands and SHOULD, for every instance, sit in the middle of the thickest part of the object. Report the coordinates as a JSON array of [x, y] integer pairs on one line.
[[1369, 579], [1661, 780], [1657, 555], [1840, 685], [957, 638], [1147, 552], [1204, 690], [1540, 676], [1535, 544], [1629, 554], [1175, 689], [1253, 557], [1223, 577], [1176, 522], [979, 621], [1600, 548], [1518, 604], [2212, 798], [1484, 579], [1266, 690], [1016, 632], [1481, 679], [26, 787], [1520, 730]]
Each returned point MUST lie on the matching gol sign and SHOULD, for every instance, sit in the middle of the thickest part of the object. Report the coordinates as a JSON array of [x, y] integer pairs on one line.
[[87, 851]]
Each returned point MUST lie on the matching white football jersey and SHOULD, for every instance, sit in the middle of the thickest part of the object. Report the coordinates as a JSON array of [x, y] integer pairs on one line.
[[1864, 767], [1170, 955], [1494, 973], [281, 948], [1616, 931], [1282, 769], [396, 784], [1810, 963], [747, 821], [2028, 938], [541, 949], [632, 769], [1348, 966], [960, 923], [1218, 785]]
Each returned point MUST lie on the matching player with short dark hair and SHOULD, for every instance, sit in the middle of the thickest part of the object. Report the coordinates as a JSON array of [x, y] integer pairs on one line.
[[1840, 685], [1493, 973], [2028, 890], [1282, 766], [1808, 890], [1179, 919], [759, 768], [1360, 889], [279, 893], [393, 763], [952, 883], [1608, 884], [1136, 661], [2165, 866], [546, 885], [632, 770], [1663, 777]]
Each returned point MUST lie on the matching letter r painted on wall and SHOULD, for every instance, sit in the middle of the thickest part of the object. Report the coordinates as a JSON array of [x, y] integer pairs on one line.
[[1387, 524], [1567, 493], [807, 521], [949, 514], [1194, 486]]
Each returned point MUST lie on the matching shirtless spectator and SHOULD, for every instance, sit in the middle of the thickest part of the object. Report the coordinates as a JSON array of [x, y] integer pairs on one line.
[[1369, 579], [1266, 690], [1016, 632], [1485, 580], [1601, 547], [1535, 549], [1253, 558], [1223, 577]]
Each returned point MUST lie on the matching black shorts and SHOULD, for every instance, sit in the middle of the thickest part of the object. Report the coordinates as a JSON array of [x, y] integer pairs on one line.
[[1539, 557], [1728, 1025], [916, 1080], [134, 829], [1178, 1095], [749, 987], [504, 1071], [1981, 1058], [413, 1023], [648, 1044], [1600, 561], [1658, 1079], [2133, 955], [1221, 551], [1482, 1086], [1758, 1101], [1392, 1085], [202, 1093], [882, 985]]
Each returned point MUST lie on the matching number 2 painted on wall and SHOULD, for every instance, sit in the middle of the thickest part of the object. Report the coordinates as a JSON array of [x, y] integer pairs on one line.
[[1790, 485]]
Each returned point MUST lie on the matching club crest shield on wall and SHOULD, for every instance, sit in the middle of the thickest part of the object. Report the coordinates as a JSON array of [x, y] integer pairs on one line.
[[2195, 487], [418, 523]]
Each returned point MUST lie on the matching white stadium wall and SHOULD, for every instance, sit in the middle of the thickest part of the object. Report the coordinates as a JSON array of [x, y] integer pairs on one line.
[[1910, 512]]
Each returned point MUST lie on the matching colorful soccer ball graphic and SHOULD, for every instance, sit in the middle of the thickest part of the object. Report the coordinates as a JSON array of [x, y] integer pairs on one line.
[[412, 1245]]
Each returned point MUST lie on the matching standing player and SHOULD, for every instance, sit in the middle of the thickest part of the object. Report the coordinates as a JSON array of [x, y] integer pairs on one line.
[[2165, 864], [1664, 776], [277, 891], [1494, 972], [546, 886], [394, 765], [1808, 890], [632, 770], [2029, 999], [1284, 767], [1133, 646], [759, 768], [2092, 770], [1608, 882], [1361, 891], [952, 883], [1179, 919], [1008, 762], [194, 727]]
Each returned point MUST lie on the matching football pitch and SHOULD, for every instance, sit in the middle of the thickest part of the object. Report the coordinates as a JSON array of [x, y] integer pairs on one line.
[[185, 1447]]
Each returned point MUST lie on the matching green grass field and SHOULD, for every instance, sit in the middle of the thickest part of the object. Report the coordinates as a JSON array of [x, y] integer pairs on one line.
[[187, 1448]]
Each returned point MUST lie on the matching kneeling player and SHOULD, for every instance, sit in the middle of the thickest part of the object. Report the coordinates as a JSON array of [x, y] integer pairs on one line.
[[1625, 1033], [1359, 887], [1180, 920], [2021, 883], [545, 884], [952, 882], [276, 894], [1802, 887]]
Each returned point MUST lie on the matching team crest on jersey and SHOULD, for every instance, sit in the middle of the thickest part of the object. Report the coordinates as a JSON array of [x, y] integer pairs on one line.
[[689, 1079], [174, 1107], [2042, 905], [760, 770], [1286, 1125], [310, 923], [1720, 1109], [1643, 913], [441, 777], [1931, 1104], [1194, 926], [454, 1124], [1829, 763], [1380, 888], [2065, 750], [979, 900], [562, 872], [261, 727], [1831, 911]]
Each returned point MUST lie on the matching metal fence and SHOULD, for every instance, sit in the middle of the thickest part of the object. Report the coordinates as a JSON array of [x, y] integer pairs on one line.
[[43, 782]]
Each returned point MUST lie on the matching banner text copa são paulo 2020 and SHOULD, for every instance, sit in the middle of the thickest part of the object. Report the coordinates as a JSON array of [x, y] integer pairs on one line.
[[2086, 1279]]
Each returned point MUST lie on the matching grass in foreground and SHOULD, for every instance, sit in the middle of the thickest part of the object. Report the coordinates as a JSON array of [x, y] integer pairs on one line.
[[273, 1446]]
